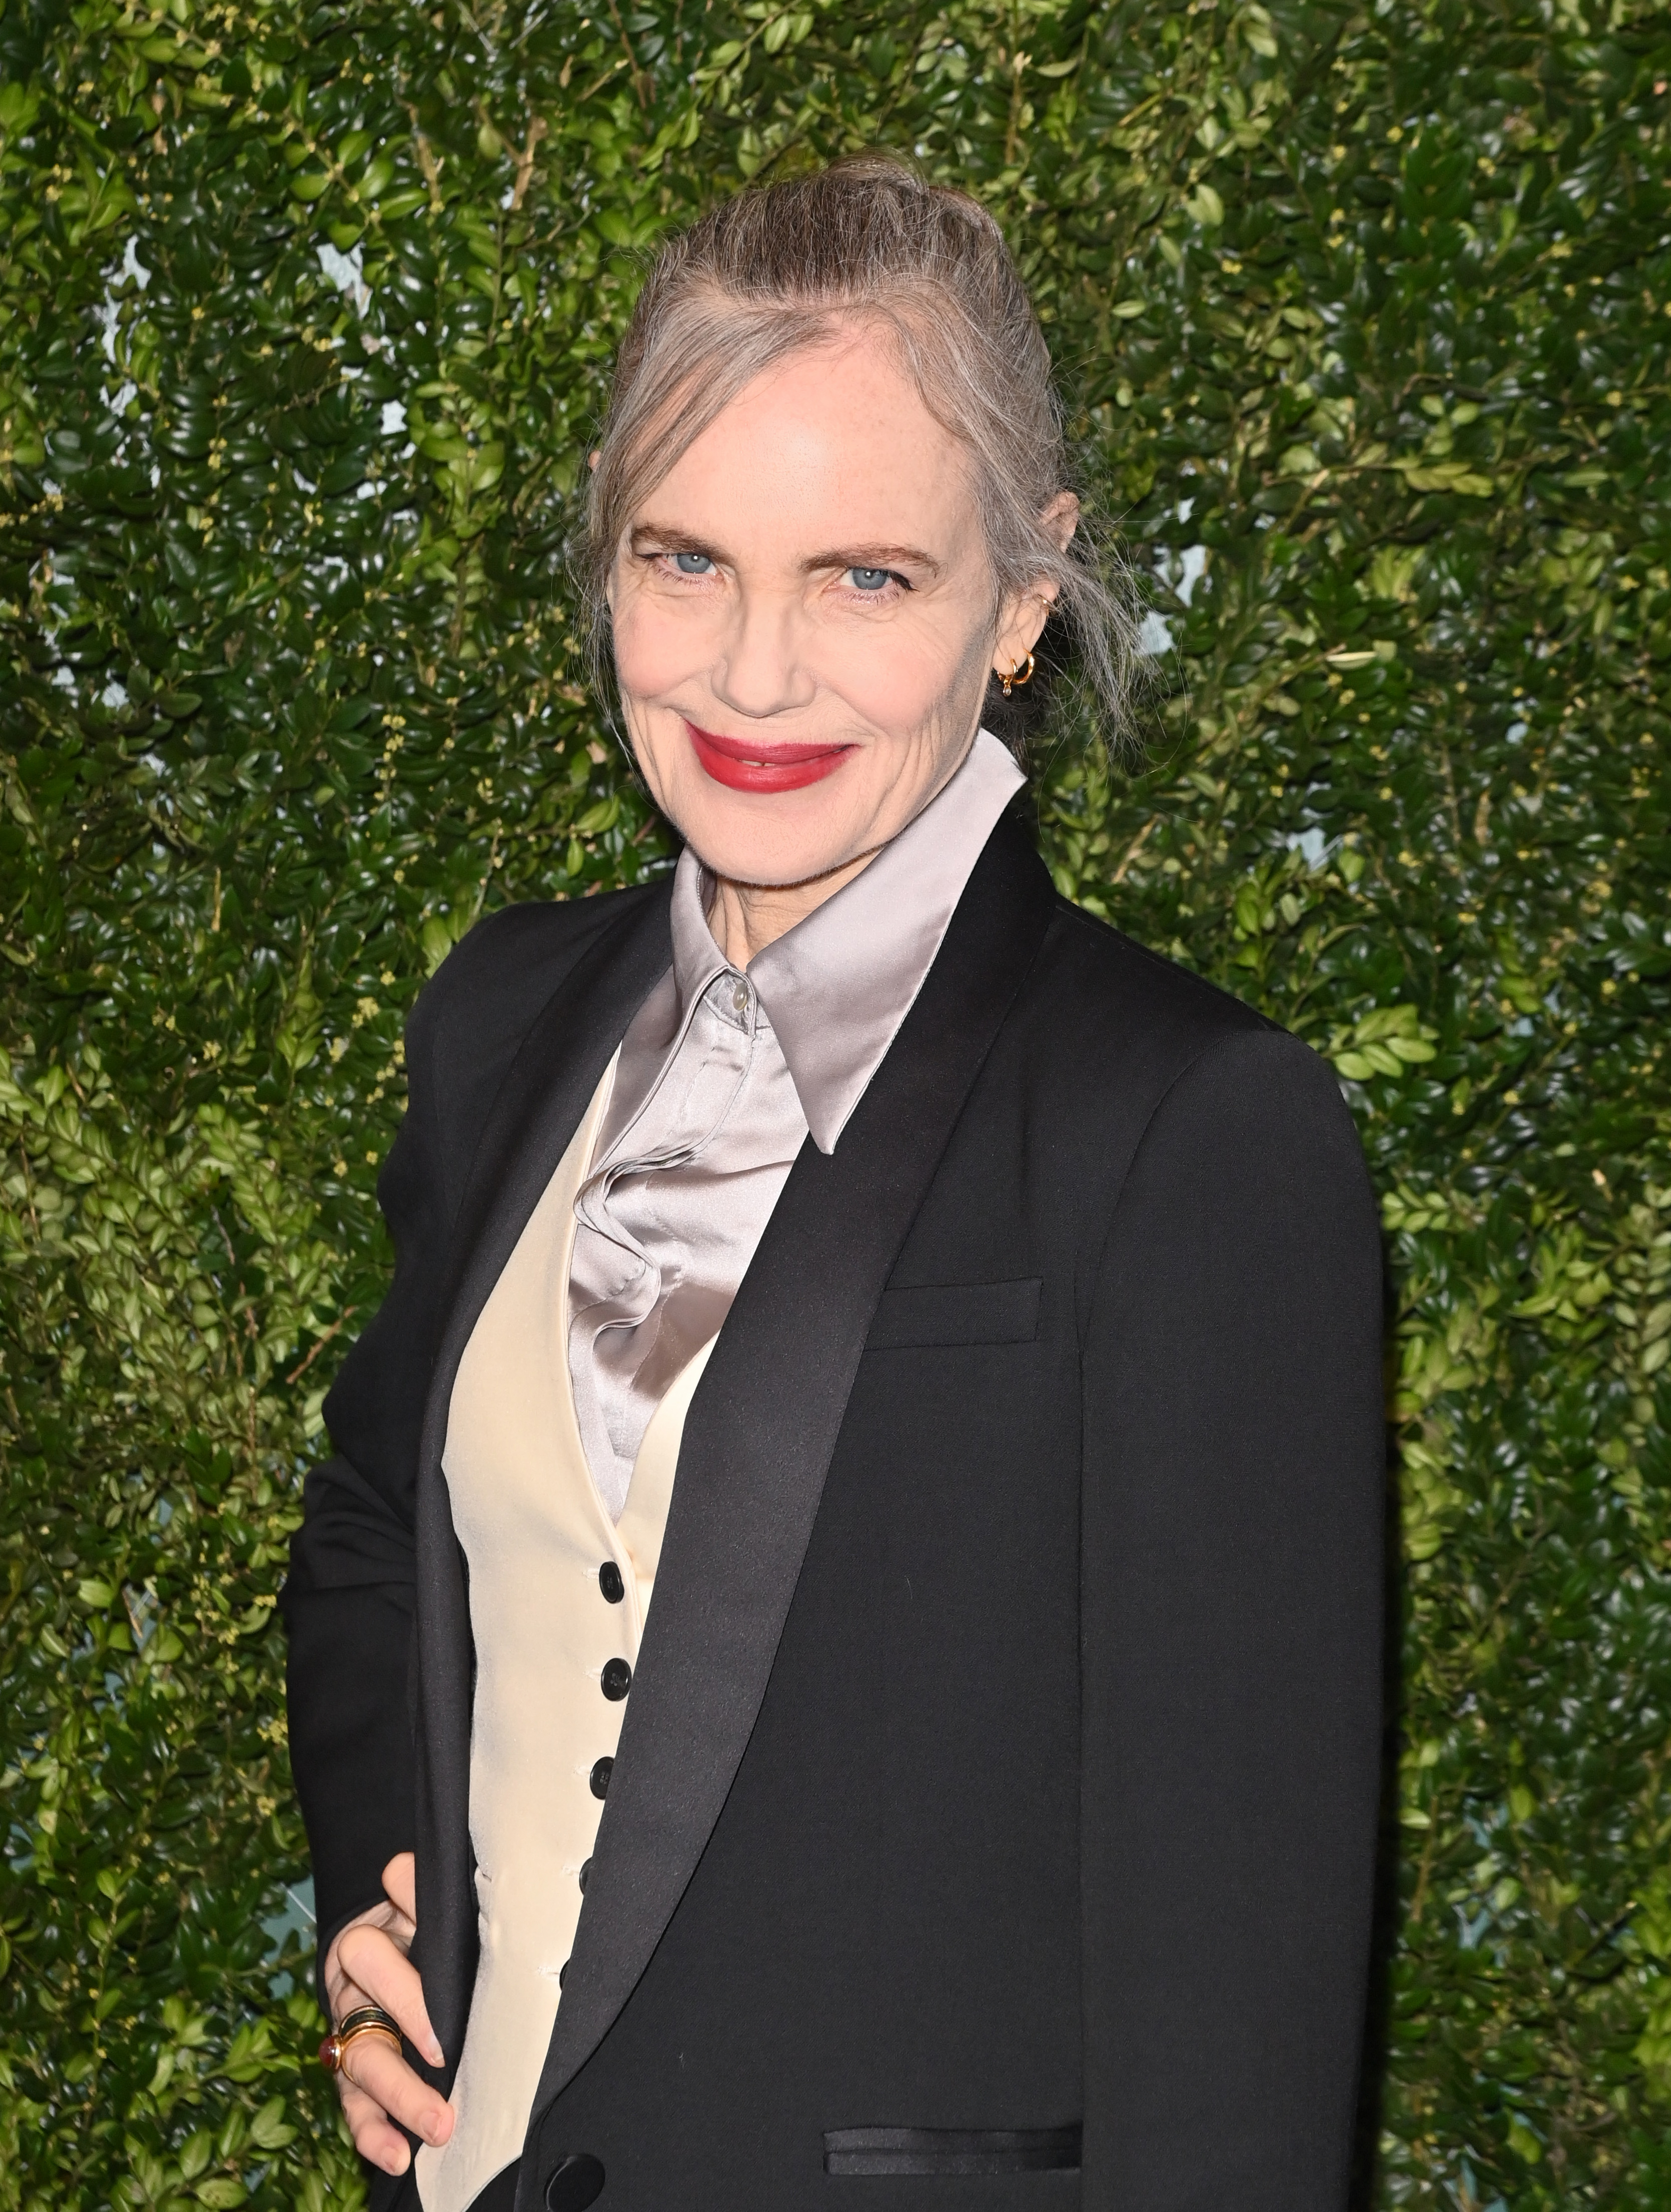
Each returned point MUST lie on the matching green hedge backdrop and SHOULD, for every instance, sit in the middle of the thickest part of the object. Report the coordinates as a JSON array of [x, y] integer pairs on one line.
[[305, 316]]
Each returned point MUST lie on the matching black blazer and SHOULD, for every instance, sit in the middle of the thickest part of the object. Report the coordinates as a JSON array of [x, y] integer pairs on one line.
[[997, 1792]]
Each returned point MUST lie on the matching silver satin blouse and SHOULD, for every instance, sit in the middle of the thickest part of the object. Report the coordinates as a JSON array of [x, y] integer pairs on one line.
[[721, 1077]]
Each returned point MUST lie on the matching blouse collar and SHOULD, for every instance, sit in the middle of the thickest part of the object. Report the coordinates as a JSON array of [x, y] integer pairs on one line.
[[838, 985]]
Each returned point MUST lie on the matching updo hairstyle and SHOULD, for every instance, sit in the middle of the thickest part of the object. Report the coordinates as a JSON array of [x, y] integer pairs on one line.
[[774, 271]]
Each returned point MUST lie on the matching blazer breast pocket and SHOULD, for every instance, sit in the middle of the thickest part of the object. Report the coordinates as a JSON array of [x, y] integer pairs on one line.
[[928, 1313], [968, 2151]]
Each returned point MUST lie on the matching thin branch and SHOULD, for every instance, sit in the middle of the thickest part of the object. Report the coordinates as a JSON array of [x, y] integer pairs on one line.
[[1133, 849], [296, 1373], [537, 127]]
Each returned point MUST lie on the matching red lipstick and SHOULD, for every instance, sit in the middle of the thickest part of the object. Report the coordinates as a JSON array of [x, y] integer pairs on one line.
[[750, 764]]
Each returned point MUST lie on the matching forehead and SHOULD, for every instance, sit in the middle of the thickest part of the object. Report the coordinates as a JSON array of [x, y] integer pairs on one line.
[[833, 445]]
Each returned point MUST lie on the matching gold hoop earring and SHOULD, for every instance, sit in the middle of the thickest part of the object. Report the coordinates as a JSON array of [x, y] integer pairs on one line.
[[1017, 676]]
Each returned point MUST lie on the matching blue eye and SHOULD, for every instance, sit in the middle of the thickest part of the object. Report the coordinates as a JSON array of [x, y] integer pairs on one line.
[[869, 580], [692, 564]]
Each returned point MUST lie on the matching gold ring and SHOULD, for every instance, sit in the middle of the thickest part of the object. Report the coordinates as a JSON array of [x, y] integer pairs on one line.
[[346, 2042], [364, 2020]]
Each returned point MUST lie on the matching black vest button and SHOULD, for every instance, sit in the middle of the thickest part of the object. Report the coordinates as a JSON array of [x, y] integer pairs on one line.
[[609, 1582], [578, 2182], [586, 1876], [601, 1771], [562, 1973], [616, 1679]]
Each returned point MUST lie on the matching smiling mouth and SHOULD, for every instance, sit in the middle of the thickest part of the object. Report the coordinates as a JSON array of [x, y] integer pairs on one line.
[[750, 764]]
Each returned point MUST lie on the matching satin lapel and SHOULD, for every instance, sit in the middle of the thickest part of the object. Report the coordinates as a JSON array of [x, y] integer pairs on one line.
[[535, 1113], [759, 1438]]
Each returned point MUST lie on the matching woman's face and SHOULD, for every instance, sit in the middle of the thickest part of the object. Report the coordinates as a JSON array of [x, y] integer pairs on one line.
[[804, 618]]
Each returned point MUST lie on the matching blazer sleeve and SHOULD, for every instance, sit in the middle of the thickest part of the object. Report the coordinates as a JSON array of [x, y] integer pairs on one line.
[[1233, 1513], [349, 1598]]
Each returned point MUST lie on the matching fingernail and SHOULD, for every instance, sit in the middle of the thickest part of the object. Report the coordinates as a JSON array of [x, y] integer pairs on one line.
[[435, 2056]]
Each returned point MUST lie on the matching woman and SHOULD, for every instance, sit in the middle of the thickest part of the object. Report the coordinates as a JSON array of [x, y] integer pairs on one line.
[[966, 1323]]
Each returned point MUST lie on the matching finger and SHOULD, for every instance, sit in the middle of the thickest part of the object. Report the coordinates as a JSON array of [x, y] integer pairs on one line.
[[335, 1976], [379, 1966], [401, 1883], [374, 2137], [387, 1915], [377, 2069], [340, 1986]]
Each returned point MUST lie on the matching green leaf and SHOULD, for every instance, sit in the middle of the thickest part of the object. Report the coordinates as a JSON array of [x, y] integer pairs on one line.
[[437, 941], [1523, 2142], [1447, 476], [268, 2130]]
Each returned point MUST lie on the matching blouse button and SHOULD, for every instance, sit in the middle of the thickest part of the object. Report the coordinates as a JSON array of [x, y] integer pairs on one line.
[[740, 998], [616, 1679], [609, 1582]]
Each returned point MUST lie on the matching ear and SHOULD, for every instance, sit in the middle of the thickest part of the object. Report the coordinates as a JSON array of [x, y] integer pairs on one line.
[[1019, 625], [594, 457], [1025, 614], [1061, 519]]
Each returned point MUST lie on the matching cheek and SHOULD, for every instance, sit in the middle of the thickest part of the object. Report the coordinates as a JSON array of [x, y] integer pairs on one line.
[[902, 676], [656, 646]]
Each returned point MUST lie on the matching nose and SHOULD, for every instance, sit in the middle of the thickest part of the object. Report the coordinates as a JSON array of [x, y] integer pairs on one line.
[[762, 671]]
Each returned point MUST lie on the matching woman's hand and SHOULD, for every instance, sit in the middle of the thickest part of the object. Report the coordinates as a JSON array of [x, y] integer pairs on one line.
[[367, 1965]]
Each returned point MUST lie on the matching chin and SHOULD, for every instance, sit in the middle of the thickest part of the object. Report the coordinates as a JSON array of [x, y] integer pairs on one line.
[[753, 850], [771, 838]]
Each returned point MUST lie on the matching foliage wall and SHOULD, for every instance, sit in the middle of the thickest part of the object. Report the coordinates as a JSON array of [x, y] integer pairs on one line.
[[304, 318]]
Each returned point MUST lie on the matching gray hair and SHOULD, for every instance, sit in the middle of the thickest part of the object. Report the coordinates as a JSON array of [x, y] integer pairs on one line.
[[775, 271]]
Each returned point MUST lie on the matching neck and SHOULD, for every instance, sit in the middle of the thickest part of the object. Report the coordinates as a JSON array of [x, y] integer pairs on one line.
[[745, 918]]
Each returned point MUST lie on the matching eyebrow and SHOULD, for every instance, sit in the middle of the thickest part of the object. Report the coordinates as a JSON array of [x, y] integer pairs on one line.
[[668, 540], [873, 557]]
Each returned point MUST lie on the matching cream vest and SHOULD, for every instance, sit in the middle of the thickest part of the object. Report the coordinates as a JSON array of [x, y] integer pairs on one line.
[[535, 1532]]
